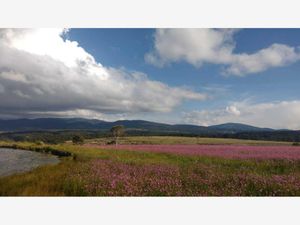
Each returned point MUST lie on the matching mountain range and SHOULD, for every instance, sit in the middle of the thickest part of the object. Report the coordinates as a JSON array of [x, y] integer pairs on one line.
[[130, 125]]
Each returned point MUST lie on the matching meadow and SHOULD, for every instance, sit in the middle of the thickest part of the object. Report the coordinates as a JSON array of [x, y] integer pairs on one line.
[[95, 169], [134, 140]]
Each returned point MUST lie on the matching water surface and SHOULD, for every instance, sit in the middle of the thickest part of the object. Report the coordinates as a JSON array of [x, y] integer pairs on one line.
[[16, 161]]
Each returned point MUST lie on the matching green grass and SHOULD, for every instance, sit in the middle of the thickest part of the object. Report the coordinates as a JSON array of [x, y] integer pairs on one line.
[[185, 140], [62, 179]]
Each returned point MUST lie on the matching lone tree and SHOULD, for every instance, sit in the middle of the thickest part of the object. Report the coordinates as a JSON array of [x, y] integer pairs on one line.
[[78, 140], [117, 131]]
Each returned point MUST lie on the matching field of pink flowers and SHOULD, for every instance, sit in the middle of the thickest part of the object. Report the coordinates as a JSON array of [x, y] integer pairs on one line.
[[112, 178], [193, 170], [225, 151], [163, 170]]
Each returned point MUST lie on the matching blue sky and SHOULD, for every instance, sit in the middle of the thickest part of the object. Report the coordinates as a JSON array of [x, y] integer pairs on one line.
[[127, 47], [195, 76]]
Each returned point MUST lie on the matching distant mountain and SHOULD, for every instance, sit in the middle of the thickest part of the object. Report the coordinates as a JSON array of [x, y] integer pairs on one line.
[[48, 124], [130, 125], [237, 127]]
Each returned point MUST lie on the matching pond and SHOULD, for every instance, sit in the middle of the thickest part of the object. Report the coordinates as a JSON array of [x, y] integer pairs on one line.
[[15, 161]]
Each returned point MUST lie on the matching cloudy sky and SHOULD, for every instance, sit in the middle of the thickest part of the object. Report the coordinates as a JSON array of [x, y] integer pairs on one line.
[[194, 76]]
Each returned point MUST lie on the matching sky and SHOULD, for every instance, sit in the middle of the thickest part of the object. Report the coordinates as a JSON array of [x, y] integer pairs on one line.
[[176, 76]]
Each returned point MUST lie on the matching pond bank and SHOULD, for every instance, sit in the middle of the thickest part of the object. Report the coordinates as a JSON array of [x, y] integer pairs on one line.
[[36, 148]]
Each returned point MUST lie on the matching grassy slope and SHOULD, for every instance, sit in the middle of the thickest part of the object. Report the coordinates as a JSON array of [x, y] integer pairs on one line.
[[60, 180]]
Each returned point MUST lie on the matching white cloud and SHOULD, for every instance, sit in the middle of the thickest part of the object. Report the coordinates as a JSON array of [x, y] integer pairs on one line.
[[284, 114], [41, 71], [216, 46], [274, 56], [195, 46], [233, 110]]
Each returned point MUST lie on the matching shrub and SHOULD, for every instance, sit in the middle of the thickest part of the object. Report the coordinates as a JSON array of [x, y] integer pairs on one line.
[[113, 142], [77, 140], [39, 142]]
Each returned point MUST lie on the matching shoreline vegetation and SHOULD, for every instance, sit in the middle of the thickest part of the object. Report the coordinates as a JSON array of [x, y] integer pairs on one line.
[[36, 148], [90, 171]]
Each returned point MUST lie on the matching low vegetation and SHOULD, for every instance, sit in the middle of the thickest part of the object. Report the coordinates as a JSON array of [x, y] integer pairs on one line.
[[183, 140], [89, 171]]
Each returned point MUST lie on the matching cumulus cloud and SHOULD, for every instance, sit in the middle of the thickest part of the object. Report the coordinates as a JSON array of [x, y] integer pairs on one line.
[[284, 114], [274, 56], [233, 110], [41, 71], [216, 46], [196, 46]]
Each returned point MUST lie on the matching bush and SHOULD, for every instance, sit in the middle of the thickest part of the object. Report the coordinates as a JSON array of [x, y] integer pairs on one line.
[[113, 142], [39, 142], [296, 144], [78, 140]]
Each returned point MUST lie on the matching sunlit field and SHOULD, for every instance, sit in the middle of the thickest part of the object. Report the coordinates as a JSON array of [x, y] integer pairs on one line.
[[130, 169], [185, 140]]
